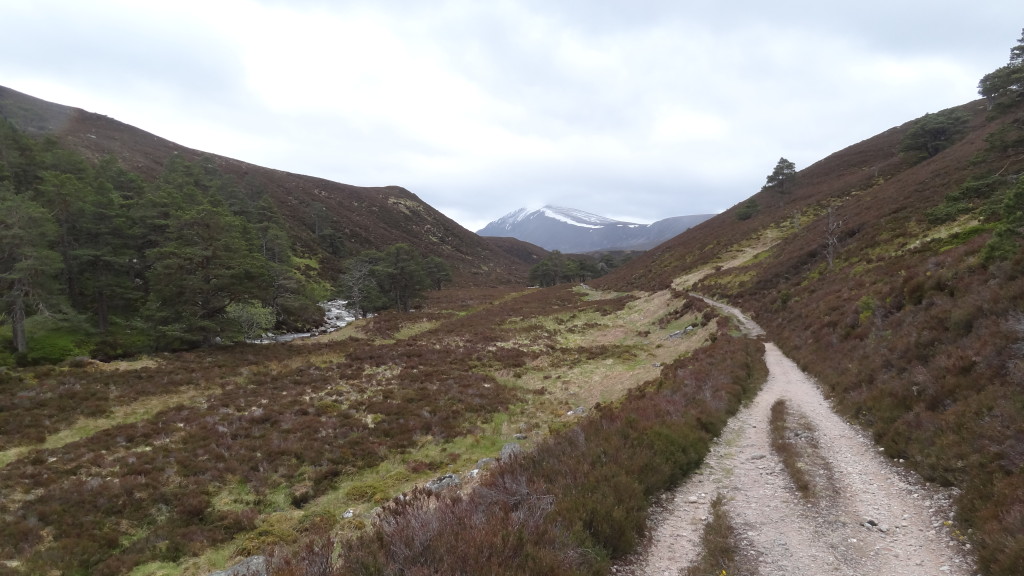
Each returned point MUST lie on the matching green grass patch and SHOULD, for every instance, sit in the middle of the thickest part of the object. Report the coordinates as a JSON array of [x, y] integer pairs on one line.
[[960, 237], [157, 569], [235, 496], [947, 235], [414, 329]]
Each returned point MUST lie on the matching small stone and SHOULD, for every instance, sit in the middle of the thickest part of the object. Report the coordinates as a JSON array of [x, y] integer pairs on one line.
[[692, 500], [349, 513], [510, 449], [443, 482], [251, 566]]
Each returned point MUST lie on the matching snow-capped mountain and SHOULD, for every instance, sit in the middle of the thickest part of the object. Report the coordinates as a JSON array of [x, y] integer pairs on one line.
[[576, 231]]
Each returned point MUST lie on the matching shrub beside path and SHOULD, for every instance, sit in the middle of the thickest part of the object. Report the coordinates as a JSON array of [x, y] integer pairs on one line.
[[882, 521]]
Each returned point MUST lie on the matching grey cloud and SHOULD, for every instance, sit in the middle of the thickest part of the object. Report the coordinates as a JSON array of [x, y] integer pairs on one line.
[[786, 78], [123, 52]]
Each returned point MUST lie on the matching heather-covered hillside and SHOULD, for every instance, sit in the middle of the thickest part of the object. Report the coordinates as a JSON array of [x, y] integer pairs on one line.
[[893, 271], [328, 221]]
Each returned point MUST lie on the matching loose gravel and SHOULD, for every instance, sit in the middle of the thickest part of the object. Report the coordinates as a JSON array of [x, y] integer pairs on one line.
[[882, 521]]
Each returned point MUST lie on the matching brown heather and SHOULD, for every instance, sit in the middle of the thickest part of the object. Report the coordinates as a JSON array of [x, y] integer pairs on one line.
[[267, 430], [573, 504], [794, 439], [143, 491], [785, 448]]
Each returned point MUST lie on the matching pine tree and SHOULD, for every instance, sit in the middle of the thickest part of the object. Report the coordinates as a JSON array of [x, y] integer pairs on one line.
[[28, 264], [104, 259], [400, 276], [782, 175], [1008, 79], [204, 266], [437, 271]]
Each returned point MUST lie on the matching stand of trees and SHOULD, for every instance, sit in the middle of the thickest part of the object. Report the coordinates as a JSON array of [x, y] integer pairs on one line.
[[394, 278], [94, 260], [558, 268]]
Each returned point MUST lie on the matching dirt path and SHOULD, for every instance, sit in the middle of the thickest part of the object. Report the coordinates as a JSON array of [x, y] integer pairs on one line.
[[786, 533], [749, 327]]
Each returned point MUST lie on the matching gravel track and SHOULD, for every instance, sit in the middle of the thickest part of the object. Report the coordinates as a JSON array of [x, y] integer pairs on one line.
[[787, 534]]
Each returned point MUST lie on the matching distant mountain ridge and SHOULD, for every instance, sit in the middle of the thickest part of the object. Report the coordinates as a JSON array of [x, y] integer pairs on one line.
[[574, 231]]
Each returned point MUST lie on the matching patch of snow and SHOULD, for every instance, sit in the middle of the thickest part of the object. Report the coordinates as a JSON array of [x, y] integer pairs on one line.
[[561, 216], [582, 216], [514, 217], [520, 215]]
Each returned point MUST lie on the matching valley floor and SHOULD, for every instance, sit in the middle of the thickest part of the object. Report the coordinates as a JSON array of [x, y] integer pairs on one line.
[[784, 532]]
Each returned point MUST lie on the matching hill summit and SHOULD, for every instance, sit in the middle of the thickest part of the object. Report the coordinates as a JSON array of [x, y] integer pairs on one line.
[[574, 231]]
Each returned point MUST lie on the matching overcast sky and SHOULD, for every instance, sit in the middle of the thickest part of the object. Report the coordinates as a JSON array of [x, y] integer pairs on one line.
[[637, 110]]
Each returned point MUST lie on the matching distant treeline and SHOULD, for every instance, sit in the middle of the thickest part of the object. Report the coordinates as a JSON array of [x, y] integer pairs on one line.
[[558, 268]]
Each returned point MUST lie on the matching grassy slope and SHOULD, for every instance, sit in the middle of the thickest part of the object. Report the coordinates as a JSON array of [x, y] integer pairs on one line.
[[912, 332]]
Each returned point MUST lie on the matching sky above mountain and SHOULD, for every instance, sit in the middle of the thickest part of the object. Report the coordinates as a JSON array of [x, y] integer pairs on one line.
[[632, 110]]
